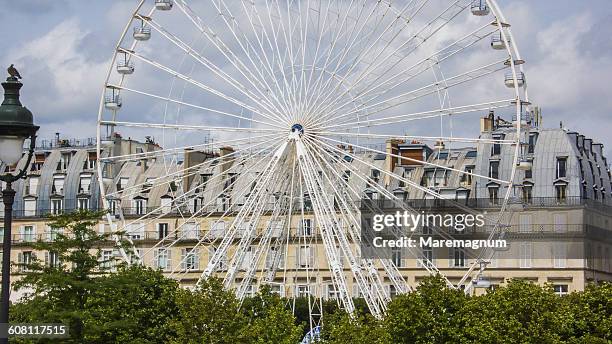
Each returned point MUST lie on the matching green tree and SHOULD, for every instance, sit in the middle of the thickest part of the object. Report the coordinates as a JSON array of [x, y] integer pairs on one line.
[[63, 283], [269, 320], [340, 328], [209, 314], [134, 305]]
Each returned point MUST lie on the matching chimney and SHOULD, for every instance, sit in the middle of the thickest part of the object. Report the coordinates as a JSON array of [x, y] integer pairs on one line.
[[191, 158], [486, 123], [224, 161]]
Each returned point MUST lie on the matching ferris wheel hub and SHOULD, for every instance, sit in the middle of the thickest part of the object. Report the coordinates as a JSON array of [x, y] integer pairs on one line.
[[297, 129]]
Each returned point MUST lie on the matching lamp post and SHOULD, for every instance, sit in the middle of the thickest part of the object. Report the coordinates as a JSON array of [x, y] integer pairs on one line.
[[16, 125]]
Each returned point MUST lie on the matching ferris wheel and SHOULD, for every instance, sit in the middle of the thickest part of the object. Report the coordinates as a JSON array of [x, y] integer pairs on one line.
[[271, 117]]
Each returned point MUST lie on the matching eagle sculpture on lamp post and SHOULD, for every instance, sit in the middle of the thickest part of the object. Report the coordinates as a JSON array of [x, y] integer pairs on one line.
[[13, 72]]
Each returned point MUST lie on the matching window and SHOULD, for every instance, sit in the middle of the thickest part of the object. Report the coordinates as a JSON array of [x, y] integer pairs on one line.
[[58, 185], [302, 290], [560, 193], [332, 292], [525, 223], [396, 256], [218, 229], [85, 184], [427, 258], [457, 258], [528, 194], [29, 207], [140, 206], [375, 175], [56, 206], [136, 231], [392, 291], [90, 163], [247, 259], [529, 173], [190, 259], [346, 176], [83, 203], [304, 257], [106, 259], [28, 234], [204, 180], [560, 223], [493, 195], [52, 259], [466, 178], [122, 183], [494, 169], [162, 230], [64, 161], [496, 148], [162, 258], [166, 204], [560, 289], [32, 186], [53, 232], [562, 167], [525, 255], [305, 227], [559, 255], [275, 257], [533, 138], [191, 230], [25, 258], [212, 250], [440, 178], [277, 289]]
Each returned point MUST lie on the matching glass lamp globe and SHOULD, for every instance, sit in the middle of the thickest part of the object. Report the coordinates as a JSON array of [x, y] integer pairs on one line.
[[11, 149]]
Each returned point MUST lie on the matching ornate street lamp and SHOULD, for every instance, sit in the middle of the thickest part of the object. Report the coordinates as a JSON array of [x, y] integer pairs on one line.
[[16, 125]]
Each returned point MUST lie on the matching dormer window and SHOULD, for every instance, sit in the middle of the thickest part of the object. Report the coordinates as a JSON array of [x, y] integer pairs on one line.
[[494, 169], [533, 138], [166, 203], [139, 205], [561, 167], [32, 186], [83, 203], [85, 183], [496, 148], [122, 183], [58, 185]]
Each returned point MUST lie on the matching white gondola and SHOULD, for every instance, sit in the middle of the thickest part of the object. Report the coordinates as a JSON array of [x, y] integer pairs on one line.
[[125, 67], [524, 164], [112, 102], [142, 33], [480, 8], [163, 5], [509, 80], [497, 42], [482, 282]]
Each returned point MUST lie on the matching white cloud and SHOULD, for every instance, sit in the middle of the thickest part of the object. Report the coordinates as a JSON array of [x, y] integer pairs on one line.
[[58, 77]]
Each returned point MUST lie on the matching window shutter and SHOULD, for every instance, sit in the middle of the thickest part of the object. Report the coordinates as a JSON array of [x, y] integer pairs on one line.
[[169, 259], [183, 260], [47, 261], [156, 258], [196, 252]]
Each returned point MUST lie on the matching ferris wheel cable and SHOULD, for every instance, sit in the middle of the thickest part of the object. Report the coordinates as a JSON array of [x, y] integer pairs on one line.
[[377, 187], [224, 245], [429, 266], [316, 87], [331, 223], [258, 99], [370, 69], [239, 254], [422, 138], [246, 53], [350, 217], [199, 84], [419, 161], [164, 179], [188, 127], [365, 72], [223, 216], [327, 238], [457, 110], [270, 69], [224, 49], [262, 247], [423, 91], [356, 267], [186, 195], [178, 150], [364, 52], [399, 178], [280, 241]]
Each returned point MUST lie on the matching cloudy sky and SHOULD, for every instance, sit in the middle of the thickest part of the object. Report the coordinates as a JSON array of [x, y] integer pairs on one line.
[[63, 49]]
